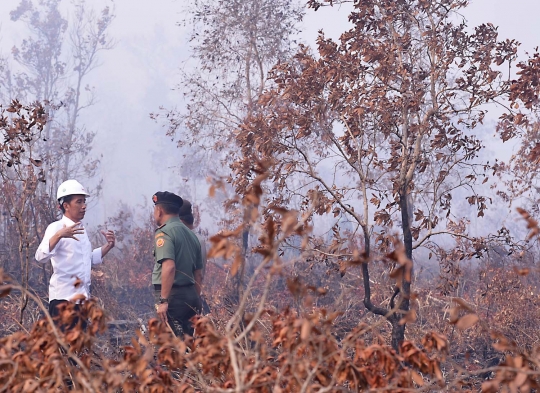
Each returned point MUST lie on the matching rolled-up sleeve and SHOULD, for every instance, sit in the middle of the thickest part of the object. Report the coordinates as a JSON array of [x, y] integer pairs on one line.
[[96, 256], [43, 253]]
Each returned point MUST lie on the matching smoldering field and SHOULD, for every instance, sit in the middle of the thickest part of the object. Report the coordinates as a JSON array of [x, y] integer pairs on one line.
[[369, 196]]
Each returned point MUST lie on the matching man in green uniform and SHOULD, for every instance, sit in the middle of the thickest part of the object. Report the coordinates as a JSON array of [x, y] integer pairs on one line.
[[177, 275]]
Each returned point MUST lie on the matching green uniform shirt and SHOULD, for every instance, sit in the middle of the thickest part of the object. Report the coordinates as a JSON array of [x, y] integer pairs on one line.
[[173, 240]]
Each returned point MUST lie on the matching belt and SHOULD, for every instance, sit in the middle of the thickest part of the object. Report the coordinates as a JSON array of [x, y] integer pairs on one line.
[[157, 287]]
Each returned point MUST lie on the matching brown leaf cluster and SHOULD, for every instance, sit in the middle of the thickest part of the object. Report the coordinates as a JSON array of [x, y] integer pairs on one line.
[[20, 127], [301, 351]]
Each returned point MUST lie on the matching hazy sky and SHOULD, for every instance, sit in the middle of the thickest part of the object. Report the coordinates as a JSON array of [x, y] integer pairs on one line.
[[138, 75]]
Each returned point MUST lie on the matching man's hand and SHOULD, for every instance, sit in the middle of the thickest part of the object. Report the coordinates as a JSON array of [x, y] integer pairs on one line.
[[111, 240], [66, 233], [162, 311], [70, 232]]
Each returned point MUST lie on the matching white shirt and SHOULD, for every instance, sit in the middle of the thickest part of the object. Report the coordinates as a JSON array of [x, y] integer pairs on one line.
[[71, 259]]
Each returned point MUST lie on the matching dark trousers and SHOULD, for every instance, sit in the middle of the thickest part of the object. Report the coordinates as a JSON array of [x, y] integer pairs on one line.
[[55, 309], [184, 304]]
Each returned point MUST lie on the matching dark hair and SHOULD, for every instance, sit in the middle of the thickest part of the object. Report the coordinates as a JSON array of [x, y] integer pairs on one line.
[[169, 208], [67, 199], [185, 213], [188, 219]]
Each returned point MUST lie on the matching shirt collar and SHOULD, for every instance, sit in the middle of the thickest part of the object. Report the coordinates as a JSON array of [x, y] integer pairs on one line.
[[171, 220], [67, 221]]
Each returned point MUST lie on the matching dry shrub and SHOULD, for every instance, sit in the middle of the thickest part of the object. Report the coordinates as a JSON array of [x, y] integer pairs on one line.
[[278, 349], [265, 345], [300, 353]]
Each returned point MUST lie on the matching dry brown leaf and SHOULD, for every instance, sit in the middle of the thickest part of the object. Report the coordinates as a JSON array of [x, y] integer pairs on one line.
[[467, 321], [306, 330], [5, 290], [409, 317], [463, 304], [236, 265], [417, 378], [521, 272], [77, 282], [520, 379], [490, 386]]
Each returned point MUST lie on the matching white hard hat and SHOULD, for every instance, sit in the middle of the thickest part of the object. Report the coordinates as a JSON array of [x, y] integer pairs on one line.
[[71, 187]]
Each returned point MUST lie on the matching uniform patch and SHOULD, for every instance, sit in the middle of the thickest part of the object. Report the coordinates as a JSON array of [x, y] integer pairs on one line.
[[160, 242], [159, 234]]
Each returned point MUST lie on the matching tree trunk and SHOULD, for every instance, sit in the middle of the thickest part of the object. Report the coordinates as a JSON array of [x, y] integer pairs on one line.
[[398, 333], [398, 330]]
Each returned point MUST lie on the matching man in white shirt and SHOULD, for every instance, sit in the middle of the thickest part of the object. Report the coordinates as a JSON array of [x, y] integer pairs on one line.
[[67, 246]]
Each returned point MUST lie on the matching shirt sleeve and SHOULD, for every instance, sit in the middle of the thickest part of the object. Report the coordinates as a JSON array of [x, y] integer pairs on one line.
[[164, 247], [200, 262], [43, 254], [96, 256], [203, 254]]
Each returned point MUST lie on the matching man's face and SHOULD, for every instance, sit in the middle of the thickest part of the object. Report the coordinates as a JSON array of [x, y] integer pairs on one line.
[[76, 208], [157, 215]]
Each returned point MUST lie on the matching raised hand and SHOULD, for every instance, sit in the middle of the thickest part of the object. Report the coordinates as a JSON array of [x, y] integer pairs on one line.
[[111, 239], [69, 232]]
